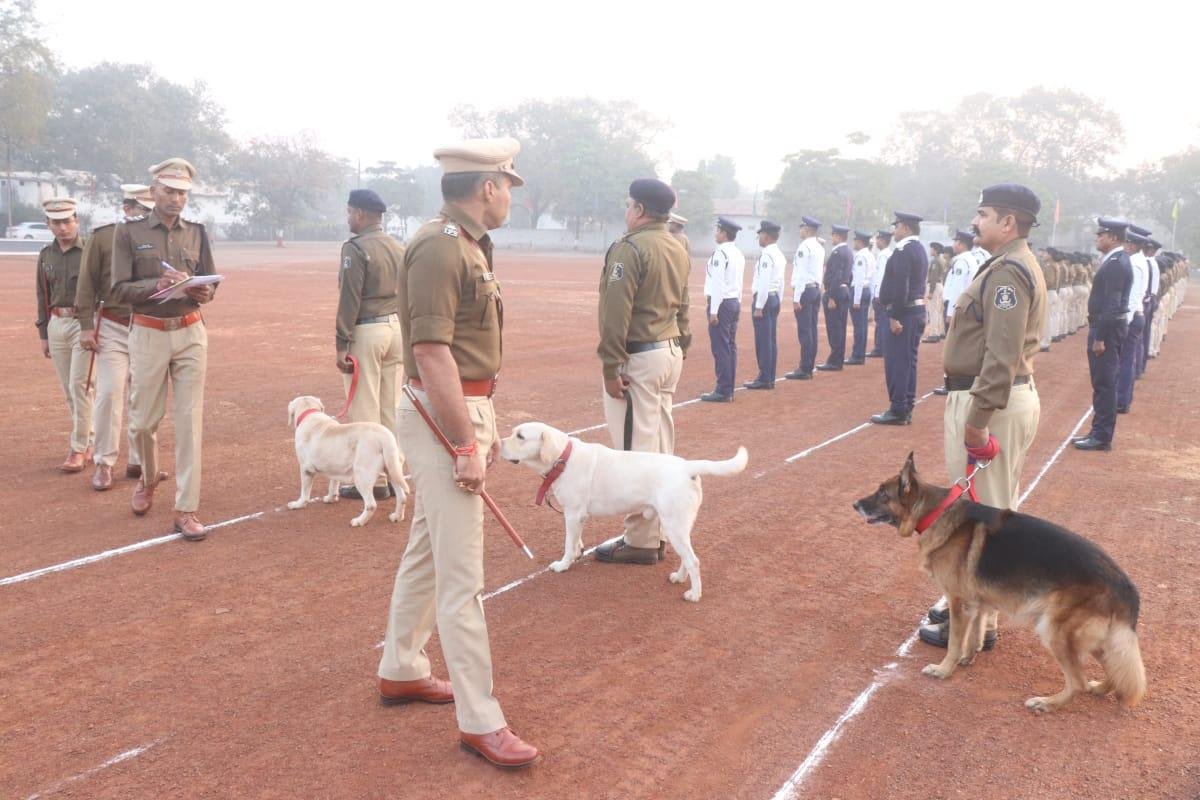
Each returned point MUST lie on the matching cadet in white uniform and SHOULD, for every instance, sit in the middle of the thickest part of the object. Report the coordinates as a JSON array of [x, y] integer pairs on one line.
[[723, 280], [765, 290], [806, 296]]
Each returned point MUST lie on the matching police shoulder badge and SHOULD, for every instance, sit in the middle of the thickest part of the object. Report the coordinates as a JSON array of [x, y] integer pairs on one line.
[[346, 262], [450, 229], [618, 272], [1006, 298]]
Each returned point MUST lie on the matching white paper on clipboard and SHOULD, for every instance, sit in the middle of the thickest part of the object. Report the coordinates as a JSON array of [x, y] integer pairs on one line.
[[178, 291]]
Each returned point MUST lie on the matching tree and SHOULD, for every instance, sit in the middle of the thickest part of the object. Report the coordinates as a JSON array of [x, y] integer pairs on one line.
[[398, 187], [284, 182], [578, 155], [722, 171], [819, 184], [119, 119], [26, 84], [694, 189]]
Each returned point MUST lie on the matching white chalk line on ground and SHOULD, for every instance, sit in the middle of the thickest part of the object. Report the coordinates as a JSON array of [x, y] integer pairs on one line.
[[133, 752], [817, 754]]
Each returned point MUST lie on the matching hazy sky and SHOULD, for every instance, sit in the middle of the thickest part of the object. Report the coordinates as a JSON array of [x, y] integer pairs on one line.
[[755, 80]]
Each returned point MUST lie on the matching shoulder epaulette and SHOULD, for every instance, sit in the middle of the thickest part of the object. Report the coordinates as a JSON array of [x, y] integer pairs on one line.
[[99, 228]]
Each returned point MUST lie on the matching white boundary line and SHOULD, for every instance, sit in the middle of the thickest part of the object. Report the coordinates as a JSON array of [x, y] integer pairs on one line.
[[133, 752], [817, 754]]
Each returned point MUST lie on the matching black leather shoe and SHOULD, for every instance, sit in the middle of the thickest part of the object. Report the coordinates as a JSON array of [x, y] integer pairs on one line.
[[941, 391], [713, 397], [931, 340], [620, 553], [1092, 444], [759, 384], [797, 375], [938, 615], [890, 417], [875, 354], [855, 362], [829, 367], [351, 493], [939, 636]]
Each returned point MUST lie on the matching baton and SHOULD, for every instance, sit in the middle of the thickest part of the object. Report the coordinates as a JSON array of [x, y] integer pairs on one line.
[[96, 341], [487, 500]]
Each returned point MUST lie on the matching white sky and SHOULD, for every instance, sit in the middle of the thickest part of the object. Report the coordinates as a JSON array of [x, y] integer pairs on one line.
[[375, 80]]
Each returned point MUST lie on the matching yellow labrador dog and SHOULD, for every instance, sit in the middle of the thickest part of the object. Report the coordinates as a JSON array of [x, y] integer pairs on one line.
[[595, 480], [353, 453]]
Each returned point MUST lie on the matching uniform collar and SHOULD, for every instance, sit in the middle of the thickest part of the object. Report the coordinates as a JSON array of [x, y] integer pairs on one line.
[[900, 244], [455, 214], [650, 226], [1110, 252], [369, 229], [808, 239], [155, 219], [77, 243]]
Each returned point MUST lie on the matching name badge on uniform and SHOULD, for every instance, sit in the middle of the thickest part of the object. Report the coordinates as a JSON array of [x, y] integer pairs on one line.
[[450, 229], [147, 246], [618, 272], [1006, 298]]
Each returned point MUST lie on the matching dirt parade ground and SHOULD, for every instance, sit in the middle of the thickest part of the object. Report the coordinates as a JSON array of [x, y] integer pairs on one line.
[[133, 664]]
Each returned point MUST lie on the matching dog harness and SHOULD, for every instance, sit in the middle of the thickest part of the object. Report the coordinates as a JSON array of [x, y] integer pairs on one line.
[[550, 477]]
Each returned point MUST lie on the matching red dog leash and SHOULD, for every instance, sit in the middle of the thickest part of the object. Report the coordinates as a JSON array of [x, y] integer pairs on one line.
[[349, 395], [977, 458], [550, 477]]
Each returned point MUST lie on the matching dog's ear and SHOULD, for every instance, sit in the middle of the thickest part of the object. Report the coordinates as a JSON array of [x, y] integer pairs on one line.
[[550, 447], [908, 475]]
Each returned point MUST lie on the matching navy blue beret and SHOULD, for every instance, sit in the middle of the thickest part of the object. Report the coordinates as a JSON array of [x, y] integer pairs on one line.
[[367, 200], [907, 218], [862, 236], [768, 227], [964, 236], [811, 222], [729, 226], [1011, 195], [1138, 229], [884, 234], [655, 196], [842, 229], [1110, 225], [1135, 238]]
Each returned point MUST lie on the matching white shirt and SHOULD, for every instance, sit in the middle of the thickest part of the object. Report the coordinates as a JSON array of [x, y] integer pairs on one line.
[[724, 275], [1154, 277], [980, 256], [881, 259], [963, 270], [807, 266], [864, 273], [1141, 279], [768, 274]]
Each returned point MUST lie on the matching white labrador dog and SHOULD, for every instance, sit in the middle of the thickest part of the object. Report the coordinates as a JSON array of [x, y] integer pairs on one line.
[[599, 481], [356, 453]]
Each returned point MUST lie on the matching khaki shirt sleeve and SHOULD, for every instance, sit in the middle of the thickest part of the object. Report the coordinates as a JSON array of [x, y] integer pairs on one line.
[[681, 316], [352, 273], [43, 300], [85, 293], [124, 288], [619, 282], [1006, 309], [435, 286]]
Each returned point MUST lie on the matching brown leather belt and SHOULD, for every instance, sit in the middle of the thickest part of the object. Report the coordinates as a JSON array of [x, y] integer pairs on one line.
[[64, 311], [117, 318], [485, 387], [167, 323], [960, 383]]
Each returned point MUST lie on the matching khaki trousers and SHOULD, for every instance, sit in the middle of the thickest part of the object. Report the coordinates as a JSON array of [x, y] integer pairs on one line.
[[441, 573], [653, 377], [71, 362], [181, 357], [112, 374], [379, 349], [935, 320], [1053, 307]]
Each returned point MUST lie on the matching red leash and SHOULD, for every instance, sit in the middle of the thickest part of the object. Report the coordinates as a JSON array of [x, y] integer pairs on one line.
[[977, 458], [350, 394], [550, 477]]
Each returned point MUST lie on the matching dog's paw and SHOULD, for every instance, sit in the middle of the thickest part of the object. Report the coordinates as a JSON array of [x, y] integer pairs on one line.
[[692, 596], [330, 498], [936, 671], [357, 522], [1100, 688], [295, 504], [678, 576], [967, 660], [560, 566], [1040, 705]]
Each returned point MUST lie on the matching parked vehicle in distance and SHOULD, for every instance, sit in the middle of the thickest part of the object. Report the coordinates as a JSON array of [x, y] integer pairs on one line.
[[30, 230]]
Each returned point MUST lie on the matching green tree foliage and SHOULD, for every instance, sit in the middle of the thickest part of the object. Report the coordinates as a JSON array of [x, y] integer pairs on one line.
[[578, 155], [398, 187], [694, 189], [723, 172], [818, 183], [26, 84], [285, 184]]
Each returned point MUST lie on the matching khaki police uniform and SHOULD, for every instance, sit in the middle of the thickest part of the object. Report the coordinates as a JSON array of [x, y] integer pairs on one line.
[[1048, 280], [939, 267], [644, 335], [100, 311], [168, 343], [448, 294], [993, 339], [58, 324], [368, 323]]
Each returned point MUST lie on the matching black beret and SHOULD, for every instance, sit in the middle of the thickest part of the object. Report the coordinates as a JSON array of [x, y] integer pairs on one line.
[[366, 200], [965, 236], [728, 226], [862, 236], [1011, 195], [655, 196], [842, 229], [1110, 225], [768, 227]]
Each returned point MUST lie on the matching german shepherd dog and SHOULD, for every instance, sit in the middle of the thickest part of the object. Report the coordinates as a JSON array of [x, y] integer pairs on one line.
[[1067, 589]]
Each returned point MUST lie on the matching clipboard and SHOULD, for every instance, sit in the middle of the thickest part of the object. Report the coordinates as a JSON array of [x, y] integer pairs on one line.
[[178, 290]]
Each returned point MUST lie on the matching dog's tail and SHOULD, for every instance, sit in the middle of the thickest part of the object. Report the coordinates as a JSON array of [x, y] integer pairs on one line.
[[1122, 660], [730, 466], [393, 465]]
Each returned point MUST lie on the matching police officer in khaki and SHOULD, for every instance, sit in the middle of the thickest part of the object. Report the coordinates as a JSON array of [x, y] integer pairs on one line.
[[167, 340], [995, 334], [368, 323], [451, 317], [643, 338], [675, 226], [104, 330], [58, 323]]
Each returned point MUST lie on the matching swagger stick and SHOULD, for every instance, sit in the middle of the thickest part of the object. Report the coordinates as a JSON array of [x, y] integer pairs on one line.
[[487, 500]]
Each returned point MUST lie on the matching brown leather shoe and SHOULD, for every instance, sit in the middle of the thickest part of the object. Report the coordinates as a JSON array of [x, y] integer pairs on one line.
[[76, 461], [426, 690], [133, 470], [191, 527], [102, 479], [502, 748], [143, 495]]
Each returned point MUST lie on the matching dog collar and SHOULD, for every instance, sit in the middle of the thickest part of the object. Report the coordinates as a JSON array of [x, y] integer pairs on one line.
[[550, 477], [964, 485], [304, 414]]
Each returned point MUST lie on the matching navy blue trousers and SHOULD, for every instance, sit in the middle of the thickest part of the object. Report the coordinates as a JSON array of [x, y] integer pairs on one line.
[[835, 325], [1131, 355], [806, 327], [880, 325], [859, 351], [1104, 369], [723, 339], [900, 359], [766, 346]]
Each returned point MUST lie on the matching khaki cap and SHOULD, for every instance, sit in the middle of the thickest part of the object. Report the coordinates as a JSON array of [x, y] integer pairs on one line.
[[59, 207], [678, 219], [139, 192], [481, 155], [174, 172]]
